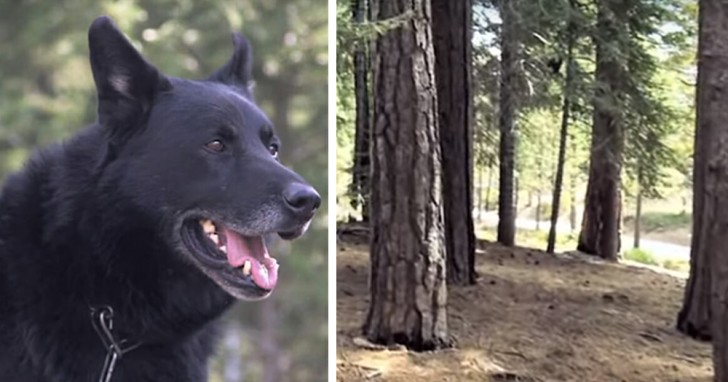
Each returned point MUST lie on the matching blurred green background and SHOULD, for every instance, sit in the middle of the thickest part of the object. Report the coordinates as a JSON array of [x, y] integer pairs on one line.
[[46, 93]]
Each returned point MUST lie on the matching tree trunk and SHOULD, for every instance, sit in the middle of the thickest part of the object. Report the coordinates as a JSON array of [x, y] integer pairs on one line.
[[600, 226], [451, 31], [361, 168], [506, 121], [711, 190], [563, 135], [572, 190], [697, 311], [638, 209], [407, 279]]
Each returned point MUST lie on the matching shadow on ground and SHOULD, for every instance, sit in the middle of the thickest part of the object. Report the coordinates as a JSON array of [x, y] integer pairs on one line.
[[531, 317]]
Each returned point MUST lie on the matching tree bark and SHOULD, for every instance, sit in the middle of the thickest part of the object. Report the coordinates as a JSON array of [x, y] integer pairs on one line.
[[698, 309], [563, 135], [572, 191], [638, 210], [507, 116], [711, 190], [362, 163], [451, 30], [600, 226], [408, 277]]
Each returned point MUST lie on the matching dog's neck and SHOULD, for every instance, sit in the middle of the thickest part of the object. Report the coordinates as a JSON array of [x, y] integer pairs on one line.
[[106, 260], [182, 299]]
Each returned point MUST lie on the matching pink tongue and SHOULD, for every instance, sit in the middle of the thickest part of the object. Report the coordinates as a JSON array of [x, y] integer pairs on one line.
[[264, 269]]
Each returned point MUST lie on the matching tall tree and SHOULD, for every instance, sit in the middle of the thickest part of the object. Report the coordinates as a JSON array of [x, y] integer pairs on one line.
[[600, 226], [361, 167], [711, 167], [507, 122], [564, 133], [407, 279], [698, 310], [452, 30]]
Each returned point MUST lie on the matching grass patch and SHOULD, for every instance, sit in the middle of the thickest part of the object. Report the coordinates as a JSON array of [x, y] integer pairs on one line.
[[641, 256], [677, 265], [568, 242], [532, 239], [661, 221]]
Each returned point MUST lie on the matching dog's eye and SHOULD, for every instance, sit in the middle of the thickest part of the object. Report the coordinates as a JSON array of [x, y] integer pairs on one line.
[[215, 146], [273, 150]]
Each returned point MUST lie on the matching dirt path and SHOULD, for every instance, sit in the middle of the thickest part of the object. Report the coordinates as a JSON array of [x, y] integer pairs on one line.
[[532, 317]]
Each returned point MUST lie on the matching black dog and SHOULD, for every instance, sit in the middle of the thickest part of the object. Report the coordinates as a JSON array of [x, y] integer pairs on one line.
[[157, 213]]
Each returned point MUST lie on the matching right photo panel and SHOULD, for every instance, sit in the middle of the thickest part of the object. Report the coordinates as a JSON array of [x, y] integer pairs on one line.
[[532, 190]]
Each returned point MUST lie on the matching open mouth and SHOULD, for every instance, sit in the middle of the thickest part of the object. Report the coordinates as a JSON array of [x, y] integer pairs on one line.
[[242, 261]]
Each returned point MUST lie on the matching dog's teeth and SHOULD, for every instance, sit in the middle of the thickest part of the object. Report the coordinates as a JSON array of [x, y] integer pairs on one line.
[[208, 226], [246, 267], [215, 239], [223, 248]]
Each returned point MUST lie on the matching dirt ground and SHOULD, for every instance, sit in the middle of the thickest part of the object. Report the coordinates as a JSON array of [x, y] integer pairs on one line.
[[531, 317]]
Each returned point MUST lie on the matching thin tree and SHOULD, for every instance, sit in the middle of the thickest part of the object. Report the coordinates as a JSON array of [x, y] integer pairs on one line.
[[407, 279], [507, 124], [452, 31], [361, 167], [600, 226], [638, 209], [564, 133]]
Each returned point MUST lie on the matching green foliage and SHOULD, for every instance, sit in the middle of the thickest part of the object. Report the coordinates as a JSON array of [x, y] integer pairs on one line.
[[531, 238], [661, 221], [641, 256], [47, 94], [656, 52], [648, 258], [545, 210], [349, 33], [677, 265], [656, 55]]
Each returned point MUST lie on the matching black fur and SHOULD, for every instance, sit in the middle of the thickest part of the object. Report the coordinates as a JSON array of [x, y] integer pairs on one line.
[[98, 221]]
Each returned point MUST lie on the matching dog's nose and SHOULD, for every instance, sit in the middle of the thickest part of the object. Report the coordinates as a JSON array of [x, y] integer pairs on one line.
[[302, 199]]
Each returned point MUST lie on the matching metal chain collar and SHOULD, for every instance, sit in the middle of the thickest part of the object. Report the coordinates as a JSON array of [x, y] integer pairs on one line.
[[103, 323]]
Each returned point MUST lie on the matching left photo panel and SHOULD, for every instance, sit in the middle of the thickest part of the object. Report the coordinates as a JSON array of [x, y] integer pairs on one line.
[[163, 191]]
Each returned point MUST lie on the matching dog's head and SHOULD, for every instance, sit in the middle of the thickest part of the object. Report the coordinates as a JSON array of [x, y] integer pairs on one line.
[[200, 159]]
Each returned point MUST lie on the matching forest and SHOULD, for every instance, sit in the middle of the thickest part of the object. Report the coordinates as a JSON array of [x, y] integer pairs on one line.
[[47, 93], [531, 190]]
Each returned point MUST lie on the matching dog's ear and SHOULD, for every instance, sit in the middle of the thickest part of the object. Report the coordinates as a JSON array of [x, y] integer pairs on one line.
[[238, 70], [125, 83]]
